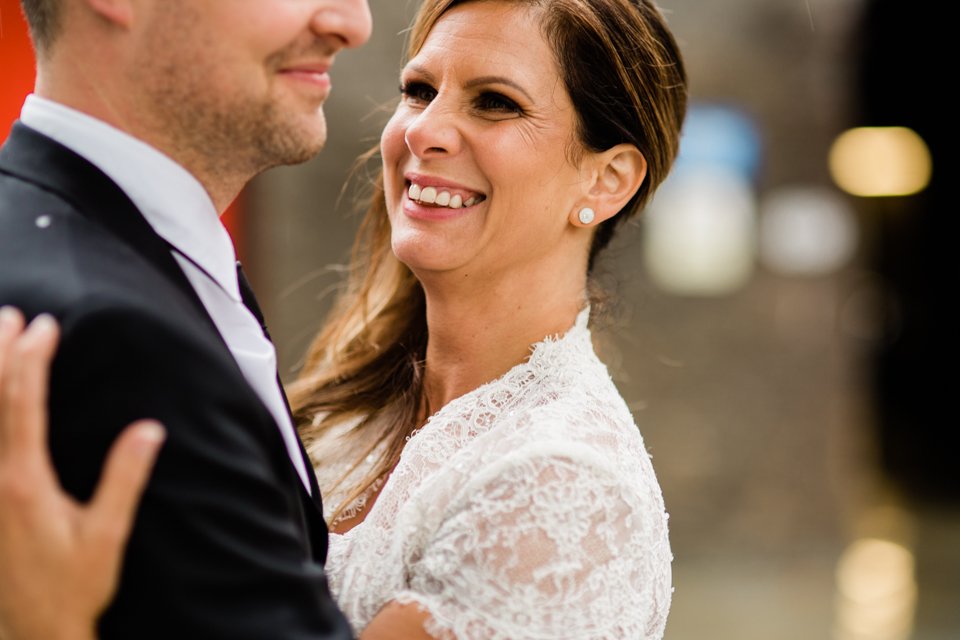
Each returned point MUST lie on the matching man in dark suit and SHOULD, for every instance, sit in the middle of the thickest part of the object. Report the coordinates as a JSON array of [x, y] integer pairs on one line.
[[148, 118]]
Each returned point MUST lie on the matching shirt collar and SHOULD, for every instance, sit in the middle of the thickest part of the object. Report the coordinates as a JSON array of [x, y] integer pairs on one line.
[[173, 202]]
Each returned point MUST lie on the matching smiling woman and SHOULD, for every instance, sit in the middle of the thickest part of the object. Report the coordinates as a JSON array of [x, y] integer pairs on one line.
[[482, 476]]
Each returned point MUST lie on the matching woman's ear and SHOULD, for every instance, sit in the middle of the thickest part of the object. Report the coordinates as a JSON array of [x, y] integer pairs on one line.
[[616, 175]]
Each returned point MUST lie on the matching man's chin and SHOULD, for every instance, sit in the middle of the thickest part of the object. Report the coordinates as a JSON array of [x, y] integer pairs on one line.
[[293, 145], [309, 140], [305, 156]]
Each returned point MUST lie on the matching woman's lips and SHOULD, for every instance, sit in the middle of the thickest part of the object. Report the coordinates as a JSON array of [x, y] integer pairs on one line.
[[443, 196], [425, 206], [434, 192]]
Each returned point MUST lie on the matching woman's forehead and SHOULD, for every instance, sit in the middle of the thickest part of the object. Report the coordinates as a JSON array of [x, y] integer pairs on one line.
[[489, 34]]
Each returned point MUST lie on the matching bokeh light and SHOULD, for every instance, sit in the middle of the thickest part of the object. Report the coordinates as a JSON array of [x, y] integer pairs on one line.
[[876, 591], [700, 230], [700, 233], [880, 161], [806, 231]]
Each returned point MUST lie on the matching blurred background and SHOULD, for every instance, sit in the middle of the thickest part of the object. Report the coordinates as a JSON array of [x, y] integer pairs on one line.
[[781, 326]]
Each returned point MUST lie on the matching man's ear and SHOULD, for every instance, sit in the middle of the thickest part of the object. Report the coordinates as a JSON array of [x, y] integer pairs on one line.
[[616, 175], [119, 12]]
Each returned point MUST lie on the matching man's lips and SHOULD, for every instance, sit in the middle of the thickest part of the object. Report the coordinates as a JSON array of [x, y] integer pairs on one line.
[[313, 74]]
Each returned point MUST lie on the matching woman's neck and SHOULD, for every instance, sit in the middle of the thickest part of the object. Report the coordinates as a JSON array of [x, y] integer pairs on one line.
[[477, 337]]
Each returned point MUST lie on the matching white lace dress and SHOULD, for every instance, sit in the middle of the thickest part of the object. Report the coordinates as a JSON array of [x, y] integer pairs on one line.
[[527, 508]]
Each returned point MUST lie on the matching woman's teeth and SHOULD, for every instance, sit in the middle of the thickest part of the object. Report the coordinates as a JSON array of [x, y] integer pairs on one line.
[[430, 195]]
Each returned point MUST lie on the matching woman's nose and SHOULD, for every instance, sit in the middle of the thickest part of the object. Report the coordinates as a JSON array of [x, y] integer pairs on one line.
[[433, 132]]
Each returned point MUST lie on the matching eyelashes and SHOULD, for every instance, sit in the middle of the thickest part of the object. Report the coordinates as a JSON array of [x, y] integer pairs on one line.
[[417, 92], [493, 101], [421, 93]]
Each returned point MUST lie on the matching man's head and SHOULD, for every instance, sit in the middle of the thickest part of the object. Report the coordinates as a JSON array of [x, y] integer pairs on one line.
[[227, 88]]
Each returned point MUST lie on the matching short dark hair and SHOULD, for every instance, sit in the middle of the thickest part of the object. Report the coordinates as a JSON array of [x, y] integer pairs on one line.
[[43, 18]]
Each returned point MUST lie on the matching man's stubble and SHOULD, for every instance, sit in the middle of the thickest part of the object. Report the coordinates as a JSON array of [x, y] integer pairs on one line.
[[217, 128]]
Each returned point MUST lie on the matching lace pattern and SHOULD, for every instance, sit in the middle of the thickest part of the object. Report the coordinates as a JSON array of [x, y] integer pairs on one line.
[[527, 508]]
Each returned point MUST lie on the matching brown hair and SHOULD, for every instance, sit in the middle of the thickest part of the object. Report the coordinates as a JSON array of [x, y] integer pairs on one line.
[[43, 18], [623, 72]]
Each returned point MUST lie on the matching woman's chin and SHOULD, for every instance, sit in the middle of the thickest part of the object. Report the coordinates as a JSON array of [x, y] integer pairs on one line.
[[424, 258], [426, 267]]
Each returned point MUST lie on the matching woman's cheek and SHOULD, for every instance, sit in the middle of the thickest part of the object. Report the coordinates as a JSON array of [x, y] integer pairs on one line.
[[392, 144], [393, 152]]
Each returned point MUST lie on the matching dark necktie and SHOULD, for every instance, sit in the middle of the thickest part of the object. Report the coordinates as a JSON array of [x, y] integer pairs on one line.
[[250, 300]]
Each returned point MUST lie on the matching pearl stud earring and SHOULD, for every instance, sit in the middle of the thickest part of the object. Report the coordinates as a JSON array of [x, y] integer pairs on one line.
[[586, 215]]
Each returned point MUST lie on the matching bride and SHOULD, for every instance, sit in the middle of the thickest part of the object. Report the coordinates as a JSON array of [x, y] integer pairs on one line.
[[482, 476]]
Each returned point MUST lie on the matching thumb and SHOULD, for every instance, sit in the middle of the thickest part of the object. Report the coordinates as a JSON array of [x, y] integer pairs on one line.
[[124, 477]]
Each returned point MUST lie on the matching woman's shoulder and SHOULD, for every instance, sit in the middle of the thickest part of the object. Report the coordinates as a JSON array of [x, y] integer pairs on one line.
[[581, 405], [562, 399], [585, 441]]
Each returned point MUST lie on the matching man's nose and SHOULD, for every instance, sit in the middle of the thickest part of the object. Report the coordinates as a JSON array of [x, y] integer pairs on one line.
[[348, 20]]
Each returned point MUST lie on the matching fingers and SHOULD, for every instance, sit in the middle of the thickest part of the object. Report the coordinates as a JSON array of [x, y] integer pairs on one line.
[[11, 326], [124, 477], [26, 372]]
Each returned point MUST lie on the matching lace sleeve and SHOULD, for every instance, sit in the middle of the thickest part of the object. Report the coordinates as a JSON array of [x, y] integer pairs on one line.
[[547, 543]]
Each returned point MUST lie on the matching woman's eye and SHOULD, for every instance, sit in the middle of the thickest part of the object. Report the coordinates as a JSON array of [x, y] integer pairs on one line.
[[418, 92], [492, 101]]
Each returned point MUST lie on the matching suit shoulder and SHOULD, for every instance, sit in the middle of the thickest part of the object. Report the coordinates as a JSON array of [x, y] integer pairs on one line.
[[22, 201], [46, 249]]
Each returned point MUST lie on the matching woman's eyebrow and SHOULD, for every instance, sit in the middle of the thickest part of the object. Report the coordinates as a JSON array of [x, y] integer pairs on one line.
[[498, 80], [420, 70], [474, 82]]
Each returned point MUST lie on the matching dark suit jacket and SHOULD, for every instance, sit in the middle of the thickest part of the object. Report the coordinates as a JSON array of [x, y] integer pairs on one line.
[[227, 543]]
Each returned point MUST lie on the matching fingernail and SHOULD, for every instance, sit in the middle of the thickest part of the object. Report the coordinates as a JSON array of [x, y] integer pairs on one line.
[[43, 322], [149, 435], [8, 315]]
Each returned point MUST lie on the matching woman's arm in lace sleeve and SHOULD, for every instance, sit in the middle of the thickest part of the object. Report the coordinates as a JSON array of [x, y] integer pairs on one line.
[[395, 620], [548, 543]]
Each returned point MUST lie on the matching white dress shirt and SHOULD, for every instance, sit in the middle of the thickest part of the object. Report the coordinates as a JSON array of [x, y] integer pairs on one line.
[[179, 209]]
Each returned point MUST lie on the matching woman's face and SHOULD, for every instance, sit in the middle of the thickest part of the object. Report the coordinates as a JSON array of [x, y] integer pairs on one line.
[[477, 172]]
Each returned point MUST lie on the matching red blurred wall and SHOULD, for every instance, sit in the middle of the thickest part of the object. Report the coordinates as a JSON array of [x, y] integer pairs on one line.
[[16, 81], [16, 64]]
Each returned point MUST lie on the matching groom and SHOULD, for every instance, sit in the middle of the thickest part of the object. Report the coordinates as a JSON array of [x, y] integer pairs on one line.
[[148, 118]]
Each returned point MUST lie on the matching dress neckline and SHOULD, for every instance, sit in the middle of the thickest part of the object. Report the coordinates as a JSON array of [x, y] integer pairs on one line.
[[545, 359], [540, 353]]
